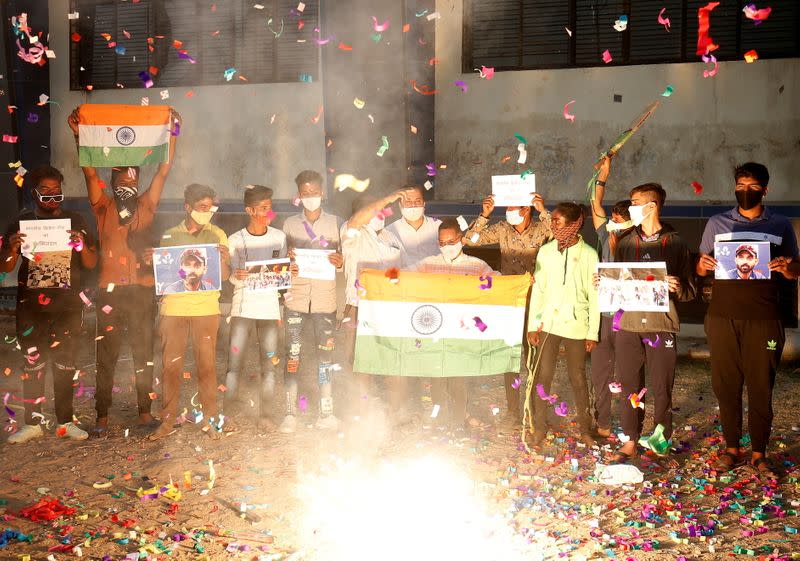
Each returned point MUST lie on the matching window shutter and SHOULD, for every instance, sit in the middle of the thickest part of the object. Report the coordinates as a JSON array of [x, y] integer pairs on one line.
[[495, 31], [137, 20], [595, 31], [255, 44], [104, 60], [182, 20], [545, 42], [649, 40], [215, 30], [297, 52]]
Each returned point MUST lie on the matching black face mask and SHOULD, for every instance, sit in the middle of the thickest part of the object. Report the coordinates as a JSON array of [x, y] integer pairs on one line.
[[125, 197], [749, 198]]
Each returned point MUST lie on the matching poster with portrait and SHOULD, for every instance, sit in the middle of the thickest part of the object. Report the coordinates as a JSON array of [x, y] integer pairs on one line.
[[742, 260], [633, 287], [187, 268], [46, 246], [268, 276]]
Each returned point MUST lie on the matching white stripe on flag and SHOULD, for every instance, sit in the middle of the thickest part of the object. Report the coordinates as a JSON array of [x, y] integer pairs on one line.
[[143, 136], [440, 321]]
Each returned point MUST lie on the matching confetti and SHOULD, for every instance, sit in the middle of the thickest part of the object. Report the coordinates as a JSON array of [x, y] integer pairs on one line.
[[479, 324], [615, 324], [523, 153], [44, 300], [713, 72], [620, 24], [146, 80], [424, 90], [516, 383], [758, 16], [637, 399], [651, 343], [462, 85], [697, 187], [667, 91], [435, 411], [486, 282], [487, 73], [392, 274], [431, 169], [302, 403], [567, 115], [607, 56], [379, 28], [562, 410], [615, 387], [750, 56], [462, 223], [10, 139], [705, 44], [551, 399], [359, 103], [428, 185], [662, 20], [383, 147]]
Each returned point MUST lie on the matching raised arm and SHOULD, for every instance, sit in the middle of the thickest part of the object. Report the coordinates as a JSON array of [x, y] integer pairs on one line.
[[364, 215], [93, 188], [598, 212], [157, 184]]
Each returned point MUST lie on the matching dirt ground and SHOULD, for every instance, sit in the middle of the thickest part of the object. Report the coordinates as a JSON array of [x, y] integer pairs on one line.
[[542, 506]]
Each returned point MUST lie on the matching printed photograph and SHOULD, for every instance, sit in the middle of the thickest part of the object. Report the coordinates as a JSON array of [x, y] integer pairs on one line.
[[633, 287], [50, 270], [188, 268], [270, 275], [742, 260]]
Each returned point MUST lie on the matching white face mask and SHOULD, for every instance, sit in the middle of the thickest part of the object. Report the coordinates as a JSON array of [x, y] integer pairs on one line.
[[637, 213], [514, 217], [311, 203], [412, 213], [376, 224], [616, 226], [202, 218], [450, 252]]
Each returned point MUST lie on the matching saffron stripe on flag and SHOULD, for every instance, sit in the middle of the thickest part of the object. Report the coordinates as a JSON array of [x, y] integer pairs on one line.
[[113, 115]]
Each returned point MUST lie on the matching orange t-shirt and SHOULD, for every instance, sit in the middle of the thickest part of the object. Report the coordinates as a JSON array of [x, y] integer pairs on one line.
[[121, 246]]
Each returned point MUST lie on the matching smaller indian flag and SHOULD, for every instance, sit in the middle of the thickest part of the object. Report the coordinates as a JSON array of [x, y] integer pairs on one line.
[[123, 135], [440, 325]]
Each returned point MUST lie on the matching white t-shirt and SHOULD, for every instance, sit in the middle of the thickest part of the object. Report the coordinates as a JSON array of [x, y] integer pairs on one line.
[[417, 244], [366, 250], [245, 247]]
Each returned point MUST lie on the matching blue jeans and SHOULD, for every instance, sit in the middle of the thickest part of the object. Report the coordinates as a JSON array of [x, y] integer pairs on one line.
[[267, 335], [324, 336]]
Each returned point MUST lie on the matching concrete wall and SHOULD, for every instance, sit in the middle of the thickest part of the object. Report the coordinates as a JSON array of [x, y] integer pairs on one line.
[[226, 140], [698, 134]]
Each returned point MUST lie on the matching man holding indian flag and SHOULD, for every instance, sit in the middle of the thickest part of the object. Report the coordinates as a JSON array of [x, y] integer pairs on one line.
[[123, 138]]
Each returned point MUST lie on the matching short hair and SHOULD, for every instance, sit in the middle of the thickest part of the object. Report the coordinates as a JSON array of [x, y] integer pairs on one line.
[[192, 253], [362, 201], [308, 176], [571, 211], [621, 208], [45, 172], [752, 170], [197, 192], [450, 223], [123, 170], [254, 194], [419, 188], [654, 189]]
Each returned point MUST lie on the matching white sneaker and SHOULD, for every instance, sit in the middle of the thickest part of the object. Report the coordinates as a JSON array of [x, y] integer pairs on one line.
[[72, 431], [288, 425], [26, 433], [328, 423]]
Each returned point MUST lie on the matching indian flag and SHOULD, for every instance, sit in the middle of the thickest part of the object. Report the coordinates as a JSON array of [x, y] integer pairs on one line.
[[439, 325], [123, 135]]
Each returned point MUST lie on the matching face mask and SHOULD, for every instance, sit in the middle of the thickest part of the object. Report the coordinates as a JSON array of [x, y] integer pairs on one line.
[[637, 213], [311, 203], [749, 199], [412, 213], [514, 217], [616, 226], [202, 218], [376, 224], [450, 252], [126, 201]]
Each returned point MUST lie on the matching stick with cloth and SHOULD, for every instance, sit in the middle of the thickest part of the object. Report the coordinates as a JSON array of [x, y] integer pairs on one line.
[[439, 325]]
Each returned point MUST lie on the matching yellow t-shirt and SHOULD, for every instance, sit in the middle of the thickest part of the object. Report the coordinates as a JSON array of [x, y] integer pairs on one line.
[[201, 303]]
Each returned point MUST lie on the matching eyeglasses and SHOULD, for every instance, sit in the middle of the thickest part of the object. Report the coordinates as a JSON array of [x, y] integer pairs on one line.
[[49, 198]]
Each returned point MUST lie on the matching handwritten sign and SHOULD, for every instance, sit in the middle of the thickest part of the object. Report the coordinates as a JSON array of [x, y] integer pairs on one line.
[[513, 190], [314, 264], [44, 236]]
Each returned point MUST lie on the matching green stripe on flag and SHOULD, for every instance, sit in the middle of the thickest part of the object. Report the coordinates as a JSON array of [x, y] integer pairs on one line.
[[94, 156], [402, 356]]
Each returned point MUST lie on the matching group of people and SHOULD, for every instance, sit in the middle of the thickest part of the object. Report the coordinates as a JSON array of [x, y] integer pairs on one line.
[[631, 352]]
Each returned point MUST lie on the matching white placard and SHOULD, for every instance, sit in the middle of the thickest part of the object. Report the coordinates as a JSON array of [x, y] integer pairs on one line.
[[43, 236], [513, 190], [268, 276], [314, 264], [633, 287]]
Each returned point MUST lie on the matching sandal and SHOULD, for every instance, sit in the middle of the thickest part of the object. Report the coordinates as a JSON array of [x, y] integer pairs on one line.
[[764, 467], [621, 457], [725, 461]]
